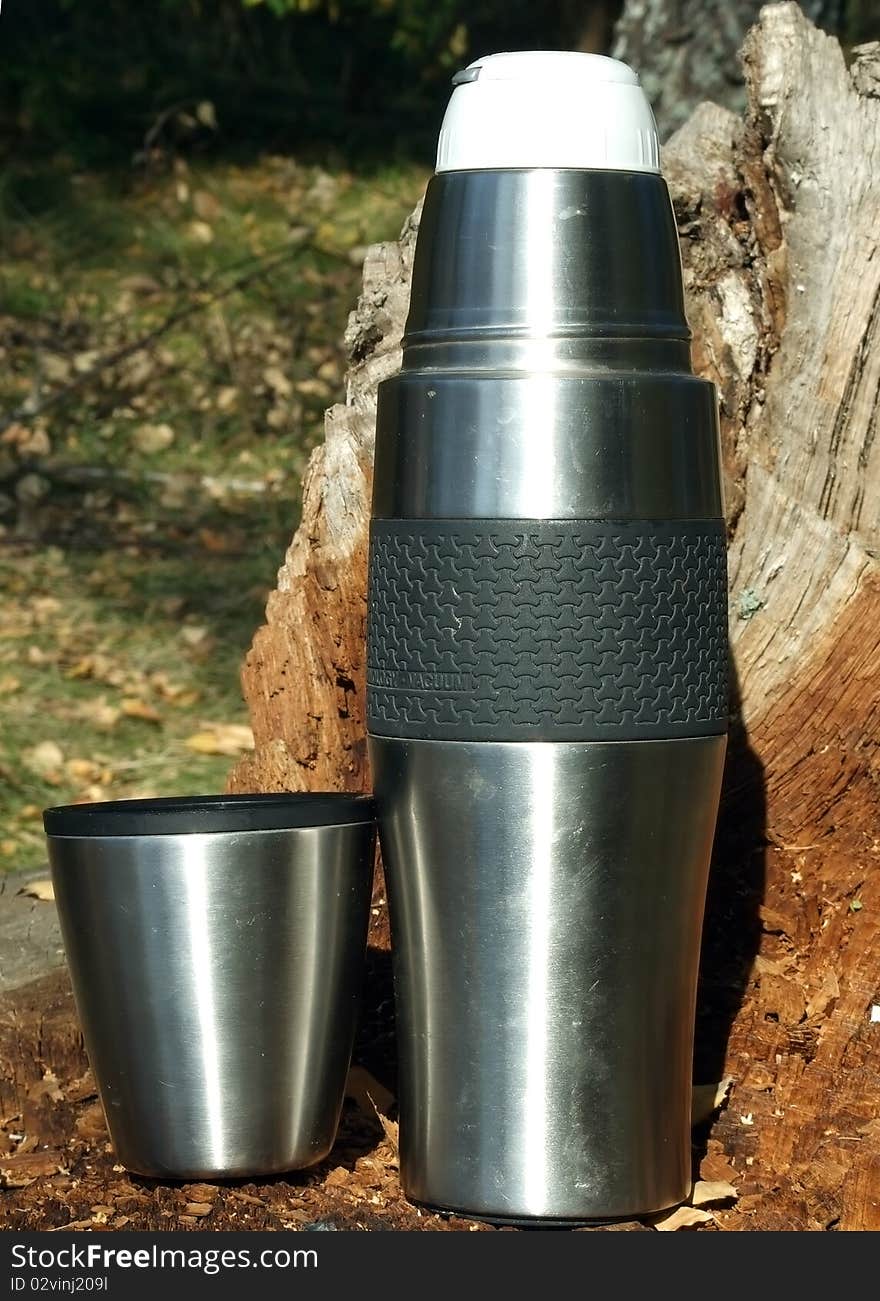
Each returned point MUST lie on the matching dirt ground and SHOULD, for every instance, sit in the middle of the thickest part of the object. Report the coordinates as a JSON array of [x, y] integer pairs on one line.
[[782, 1010]]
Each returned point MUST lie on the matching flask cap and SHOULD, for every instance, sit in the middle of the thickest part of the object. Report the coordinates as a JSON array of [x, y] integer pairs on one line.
[[548, 108]]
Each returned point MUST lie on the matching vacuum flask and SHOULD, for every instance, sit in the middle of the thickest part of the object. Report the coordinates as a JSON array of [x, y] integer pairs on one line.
[[547, 657]]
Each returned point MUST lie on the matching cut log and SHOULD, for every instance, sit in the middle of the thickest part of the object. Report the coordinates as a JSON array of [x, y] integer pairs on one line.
[[304, 675], [687, 51]]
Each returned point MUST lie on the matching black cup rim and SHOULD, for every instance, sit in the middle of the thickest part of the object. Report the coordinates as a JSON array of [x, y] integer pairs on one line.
[[181, 815]]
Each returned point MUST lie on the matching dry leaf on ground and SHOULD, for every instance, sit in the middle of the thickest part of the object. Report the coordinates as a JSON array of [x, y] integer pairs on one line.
[[42, 889], [222, 738], [683, 1217], [44, 759], [153, 438], [708, 1192], [134, 708]]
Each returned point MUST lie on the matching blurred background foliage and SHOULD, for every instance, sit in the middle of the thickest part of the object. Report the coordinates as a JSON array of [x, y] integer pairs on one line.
[[187, 191], [367, 74]]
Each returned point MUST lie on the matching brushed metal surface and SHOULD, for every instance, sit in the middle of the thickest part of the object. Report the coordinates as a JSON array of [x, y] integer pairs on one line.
[[547, 445], [217, 978], [546, 906], [546, 366], [543, 253]]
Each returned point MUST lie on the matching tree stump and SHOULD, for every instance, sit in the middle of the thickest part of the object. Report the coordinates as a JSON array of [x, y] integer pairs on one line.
[[686, 50], [779, 220]]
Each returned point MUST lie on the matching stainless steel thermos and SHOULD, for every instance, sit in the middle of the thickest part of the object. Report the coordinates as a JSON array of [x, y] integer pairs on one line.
[[547, 657]]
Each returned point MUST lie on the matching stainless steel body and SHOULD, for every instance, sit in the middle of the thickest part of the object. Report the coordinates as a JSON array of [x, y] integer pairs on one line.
[[546, 940], [217, 978], [547, 695], [546, 360]]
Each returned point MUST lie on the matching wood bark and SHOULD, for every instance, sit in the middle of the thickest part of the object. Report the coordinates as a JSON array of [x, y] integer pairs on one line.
[[779, 219], [687, 51]]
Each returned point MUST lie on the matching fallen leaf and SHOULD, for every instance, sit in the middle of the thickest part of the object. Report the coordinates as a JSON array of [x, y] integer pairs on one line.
[[223, 738], [206, 205], [707, 1192], [206, 114], [153, 438], [277, 380], [44, 759], [99, 713], [42, 889], [38, 657], [26, 440], [706, 1099], [337, 1178], [312, 388], [93, 794], [684, 1217], [200, 232], [134, 708], [55, 368], [278, 418], [192, 634], [83, 770]]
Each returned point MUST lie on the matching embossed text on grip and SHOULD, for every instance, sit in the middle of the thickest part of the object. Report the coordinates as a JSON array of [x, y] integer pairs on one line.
[[530, 630]]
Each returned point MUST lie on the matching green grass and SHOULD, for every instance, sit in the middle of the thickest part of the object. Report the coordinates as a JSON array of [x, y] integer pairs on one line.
[[135, 569]]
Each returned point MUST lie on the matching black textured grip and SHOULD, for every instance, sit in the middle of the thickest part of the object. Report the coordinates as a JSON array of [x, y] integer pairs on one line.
[[568, 630]]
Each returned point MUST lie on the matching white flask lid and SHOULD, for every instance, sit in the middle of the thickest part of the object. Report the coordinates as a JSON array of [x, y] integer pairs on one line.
[[548, 108]]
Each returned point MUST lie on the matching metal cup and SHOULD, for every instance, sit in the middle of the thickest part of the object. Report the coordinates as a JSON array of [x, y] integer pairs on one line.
[[216, 946]]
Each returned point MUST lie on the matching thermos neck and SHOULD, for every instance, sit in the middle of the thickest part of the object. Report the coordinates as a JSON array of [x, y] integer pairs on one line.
[[544, 267]]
